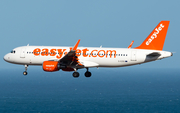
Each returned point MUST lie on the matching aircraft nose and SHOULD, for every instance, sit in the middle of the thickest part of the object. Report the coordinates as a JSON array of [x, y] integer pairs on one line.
[[7, 58]]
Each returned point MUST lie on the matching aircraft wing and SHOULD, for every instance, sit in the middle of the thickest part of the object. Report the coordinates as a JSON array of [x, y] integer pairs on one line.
[[89, 64], [70, 59]]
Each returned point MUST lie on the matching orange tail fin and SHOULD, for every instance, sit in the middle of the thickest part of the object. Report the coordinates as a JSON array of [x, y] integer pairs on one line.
[[155, 41]]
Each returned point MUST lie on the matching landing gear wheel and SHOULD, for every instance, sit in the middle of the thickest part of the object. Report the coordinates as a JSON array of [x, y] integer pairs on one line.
[[24, 73], [75, 74], [87, 74]]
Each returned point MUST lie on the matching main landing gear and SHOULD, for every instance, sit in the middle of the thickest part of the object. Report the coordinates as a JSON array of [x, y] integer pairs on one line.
[[75, 74], [87, 73], [25, 72]]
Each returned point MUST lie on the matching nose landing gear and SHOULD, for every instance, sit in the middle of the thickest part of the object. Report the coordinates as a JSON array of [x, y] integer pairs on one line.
[[25, 72]]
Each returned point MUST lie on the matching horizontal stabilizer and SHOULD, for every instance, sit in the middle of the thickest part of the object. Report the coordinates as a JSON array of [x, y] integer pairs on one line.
[[154, 54]]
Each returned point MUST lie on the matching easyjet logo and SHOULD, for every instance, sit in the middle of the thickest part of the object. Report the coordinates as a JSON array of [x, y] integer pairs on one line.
[[79, 52], [154, 35], [49, 65]]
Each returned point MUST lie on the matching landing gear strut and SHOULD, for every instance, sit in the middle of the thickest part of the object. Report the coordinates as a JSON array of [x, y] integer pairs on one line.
[[87, 73], [25, 72]]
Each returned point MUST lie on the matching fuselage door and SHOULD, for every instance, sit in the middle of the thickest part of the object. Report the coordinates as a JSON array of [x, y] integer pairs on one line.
[[133, 55], [22, 55]]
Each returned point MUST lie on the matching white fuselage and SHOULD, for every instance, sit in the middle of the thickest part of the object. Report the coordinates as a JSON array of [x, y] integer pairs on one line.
[[88, 56]]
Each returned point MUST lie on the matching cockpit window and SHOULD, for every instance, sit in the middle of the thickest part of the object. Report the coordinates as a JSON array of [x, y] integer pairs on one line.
[[13, 51]]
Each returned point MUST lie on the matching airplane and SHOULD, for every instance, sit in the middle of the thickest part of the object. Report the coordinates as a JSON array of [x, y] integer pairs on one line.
[[54, 58]]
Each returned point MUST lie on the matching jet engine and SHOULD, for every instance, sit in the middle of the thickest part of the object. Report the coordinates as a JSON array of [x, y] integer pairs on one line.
[[52, 66]]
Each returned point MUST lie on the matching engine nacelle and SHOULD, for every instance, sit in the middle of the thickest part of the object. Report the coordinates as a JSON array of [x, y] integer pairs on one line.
[[55, 66], [50, 66]]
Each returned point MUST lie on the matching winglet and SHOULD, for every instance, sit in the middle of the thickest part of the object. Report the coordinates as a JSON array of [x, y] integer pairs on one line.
[[76, 45], [131, 44], [155, 41]]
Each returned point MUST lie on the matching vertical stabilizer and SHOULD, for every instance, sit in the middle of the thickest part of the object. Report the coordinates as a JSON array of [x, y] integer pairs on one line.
[[155, 41]]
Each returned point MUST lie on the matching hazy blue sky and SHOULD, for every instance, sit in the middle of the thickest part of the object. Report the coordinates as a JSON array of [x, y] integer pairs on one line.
[[108, 23]]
